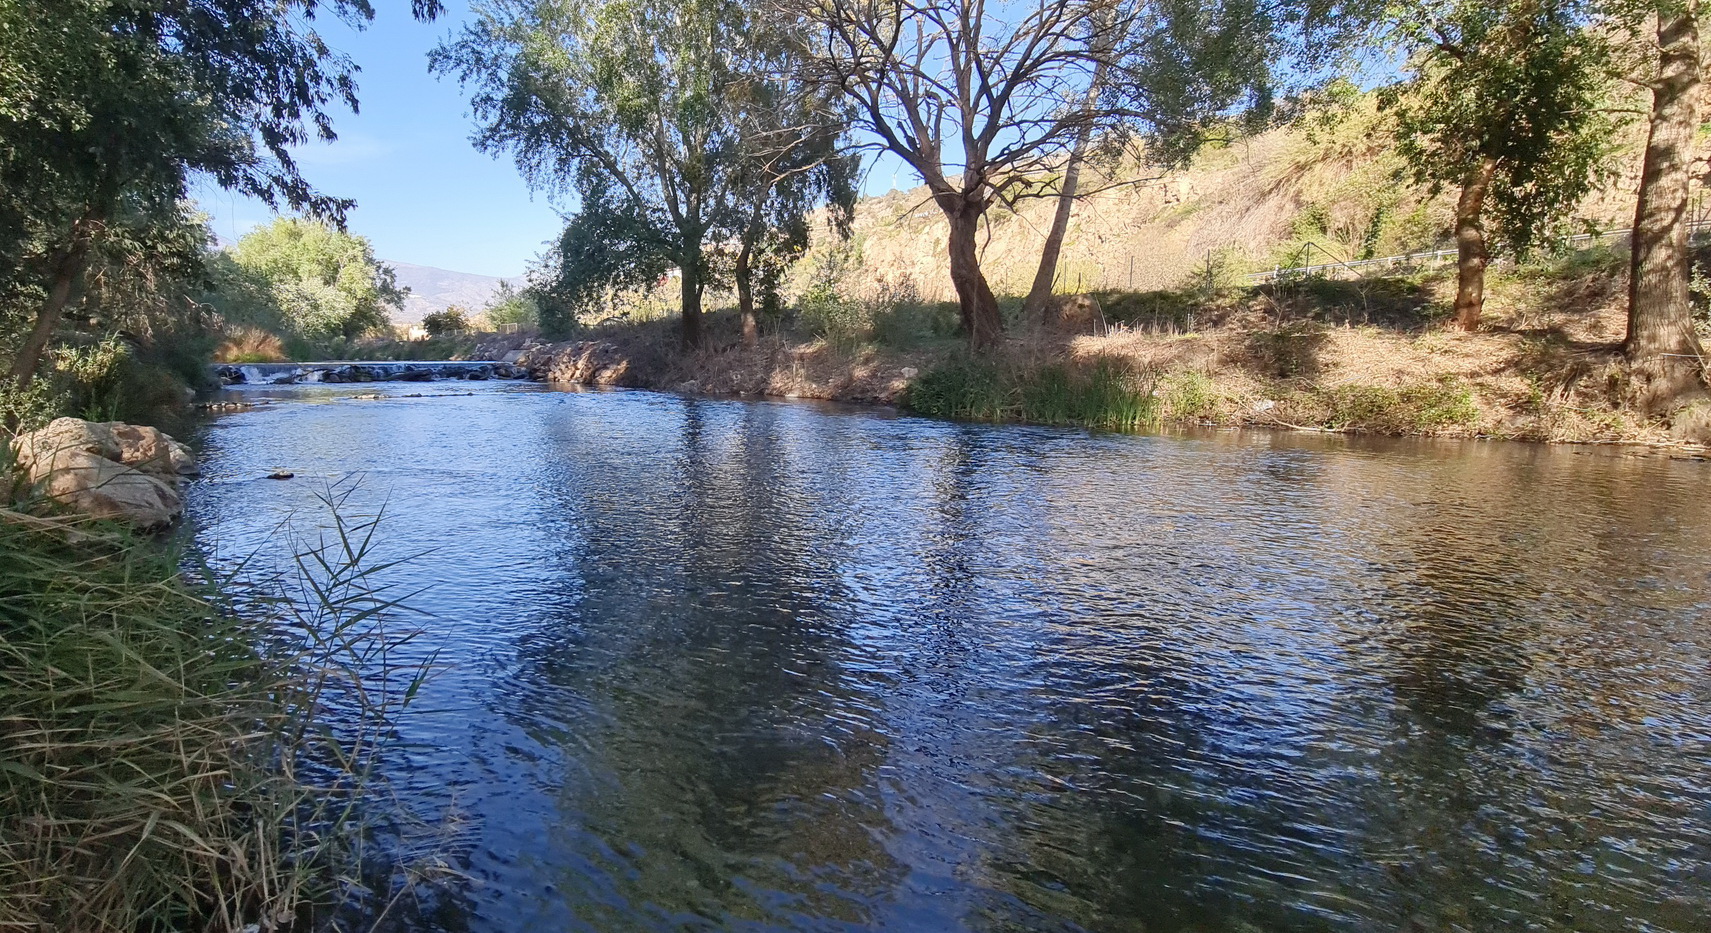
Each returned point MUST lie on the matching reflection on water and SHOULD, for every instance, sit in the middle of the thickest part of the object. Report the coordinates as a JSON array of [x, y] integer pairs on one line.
[[731, 665]]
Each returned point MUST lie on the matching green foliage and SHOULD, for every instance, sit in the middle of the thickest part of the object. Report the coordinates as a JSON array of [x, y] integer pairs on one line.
[[1415, 409], [451, 320], [1188, 395], [964, 389], [171, 763], [509, 306], [677, 123], [1521, 83], [97, 377], [1105, 394], [29, 407], [108, 108], [319, 282], [606, 247]]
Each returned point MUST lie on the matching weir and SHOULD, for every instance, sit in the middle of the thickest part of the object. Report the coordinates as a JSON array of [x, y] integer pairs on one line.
[[339, 371]]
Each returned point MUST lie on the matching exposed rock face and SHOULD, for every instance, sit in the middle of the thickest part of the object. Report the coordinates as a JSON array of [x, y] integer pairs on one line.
[[587, 362], [109, 470]]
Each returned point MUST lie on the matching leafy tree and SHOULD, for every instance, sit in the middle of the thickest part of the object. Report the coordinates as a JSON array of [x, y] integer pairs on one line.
[[452, 320], [605, 247], [322, 282], [646, 111], [107, 107], [510, 306], [1504, 100]]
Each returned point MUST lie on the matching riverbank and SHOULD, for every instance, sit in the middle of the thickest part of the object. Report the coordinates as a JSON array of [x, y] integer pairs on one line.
[[168, 752], [1367, 356]]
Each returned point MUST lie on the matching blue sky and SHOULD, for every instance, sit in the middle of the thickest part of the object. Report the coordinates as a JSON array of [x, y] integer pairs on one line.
[[424, 194]]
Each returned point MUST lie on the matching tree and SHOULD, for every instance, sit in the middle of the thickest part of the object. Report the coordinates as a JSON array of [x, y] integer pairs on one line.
[[324, 283], [1665, 358], [107, 107], [646, 111], [510, 306], [1504, 101], [972, 97], [452, 320]]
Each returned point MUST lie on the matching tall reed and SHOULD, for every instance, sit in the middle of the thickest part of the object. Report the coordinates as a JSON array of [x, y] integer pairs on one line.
[[181, 750]]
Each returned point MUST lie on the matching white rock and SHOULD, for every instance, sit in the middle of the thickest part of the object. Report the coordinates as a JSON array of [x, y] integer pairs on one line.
[[108, 470], [101, 488]]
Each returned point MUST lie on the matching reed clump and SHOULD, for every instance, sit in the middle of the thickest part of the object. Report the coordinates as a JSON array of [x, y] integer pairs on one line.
[[1105, 394], [174, 758]]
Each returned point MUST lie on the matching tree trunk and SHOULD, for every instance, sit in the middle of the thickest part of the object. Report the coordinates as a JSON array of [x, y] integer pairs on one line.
[[691, 280], [67, 274], [1664, 355], [746, 297], [1033, 308], [1471, 252], [975, 301]]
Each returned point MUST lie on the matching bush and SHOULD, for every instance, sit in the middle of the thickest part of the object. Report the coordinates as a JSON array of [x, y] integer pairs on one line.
[[1189, 396], [244, 344], [1418, 409], [451, 320], [1103, 395], [962, 390], [30, 408]]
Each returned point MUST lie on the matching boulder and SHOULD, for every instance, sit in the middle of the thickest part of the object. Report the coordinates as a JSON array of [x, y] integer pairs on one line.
[[139, 447], [108, 470], [101, 488]]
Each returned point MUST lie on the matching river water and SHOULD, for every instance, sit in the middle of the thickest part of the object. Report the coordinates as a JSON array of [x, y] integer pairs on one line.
[[777, 666]]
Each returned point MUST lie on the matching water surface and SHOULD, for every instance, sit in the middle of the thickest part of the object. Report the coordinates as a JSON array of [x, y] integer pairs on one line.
[[774, 666]]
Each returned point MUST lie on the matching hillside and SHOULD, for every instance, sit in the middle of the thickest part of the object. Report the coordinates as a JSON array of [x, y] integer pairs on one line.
[[1277, 199], [434, 289]]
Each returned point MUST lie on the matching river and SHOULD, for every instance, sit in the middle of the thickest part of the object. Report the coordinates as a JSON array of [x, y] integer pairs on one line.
[[760, 665]]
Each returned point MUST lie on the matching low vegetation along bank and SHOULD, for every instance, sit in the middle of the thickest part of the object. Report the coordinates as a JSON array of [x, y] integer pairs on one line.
[[168, 759], [1368, 356]]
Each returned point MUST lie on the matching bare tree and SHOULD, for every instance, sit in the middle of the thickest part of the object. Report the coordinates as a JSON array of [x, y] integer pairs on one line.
[[982, 99]]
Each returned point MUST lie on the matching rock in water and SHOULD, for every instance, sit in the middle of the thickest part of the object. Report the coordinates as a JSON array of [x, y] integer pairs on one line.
[[108, 470]]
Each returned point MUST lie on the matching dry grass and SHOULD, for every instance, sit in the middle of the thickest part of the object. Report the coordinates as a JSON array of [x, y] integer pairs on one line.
[[1356, 356], [176, 758], [244, 344]]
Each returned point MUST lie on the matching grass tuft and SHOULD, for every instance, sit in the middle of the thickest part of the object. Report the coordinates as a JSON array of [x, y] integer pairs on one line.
[[173, 759]]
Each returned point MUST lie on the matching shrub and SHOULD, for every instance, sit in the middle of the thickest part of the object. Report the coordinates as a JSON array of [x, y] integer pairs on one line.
[[29, 408], [451, 320], [1103, 395], [963, 390], [1188, 396], [1416, 409], [245, 344]]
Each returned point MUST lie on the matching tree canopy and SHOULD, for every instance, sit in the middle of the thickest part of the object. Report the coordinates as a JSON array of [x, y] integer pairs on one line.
[[322, 283], [650, 114]]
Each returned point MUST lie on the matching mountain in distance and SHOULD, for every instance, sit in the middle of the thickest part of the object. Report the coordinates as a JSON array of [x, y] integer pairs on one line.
[[434, 289]]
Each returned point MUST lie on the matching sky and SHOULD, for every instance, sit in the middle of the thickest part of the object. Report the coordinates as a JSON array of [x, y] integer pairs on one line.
[[424, 194]]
